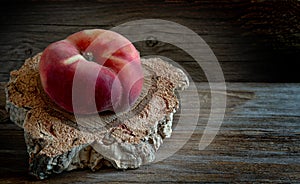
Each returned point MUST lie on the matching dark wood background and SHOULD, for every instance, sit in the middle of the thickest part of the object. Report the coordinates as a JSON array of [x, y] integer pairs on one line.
[[257, 45], [253, 41]]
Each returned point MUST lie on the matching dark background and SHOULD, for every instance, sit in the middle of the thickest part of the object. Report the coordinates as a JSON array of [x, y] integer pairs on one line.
[[254, 41]]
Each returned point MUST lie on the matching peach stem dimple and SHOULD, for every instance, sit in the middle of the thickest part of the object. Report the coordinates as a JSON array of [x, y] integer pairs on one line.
[[88, 56]]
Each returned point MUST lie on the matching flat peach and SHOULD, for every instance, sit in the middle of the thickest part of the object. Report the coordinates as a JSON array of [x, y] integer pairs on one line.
[[92, 71]]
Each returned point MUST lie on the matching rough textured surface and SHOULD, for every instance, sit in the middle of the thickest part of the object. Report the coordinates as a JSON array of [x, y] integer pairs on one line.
[[58, 141]]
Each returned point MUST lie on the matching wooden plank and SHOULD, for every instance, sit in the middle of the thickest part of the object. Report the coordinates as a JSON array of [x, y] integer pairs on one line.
[[3, 114], [237, 59], [258, 142], [26, 40], [233, 71], [39, 12]]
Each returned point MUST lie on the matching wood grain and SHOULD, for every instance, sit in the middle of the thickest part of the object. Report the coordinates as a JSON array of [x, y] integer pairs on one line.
[[258, 142], [251, 39], [254, 41]]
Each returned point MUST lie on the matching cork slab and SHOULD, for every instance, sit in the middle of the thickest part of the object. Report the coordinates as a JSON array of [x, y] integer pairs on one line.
[[57, 140]]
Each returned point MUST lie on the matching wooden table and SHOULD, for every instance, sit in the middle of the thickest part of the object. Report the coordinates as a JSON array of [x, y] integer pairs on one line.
[[259, 140]]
